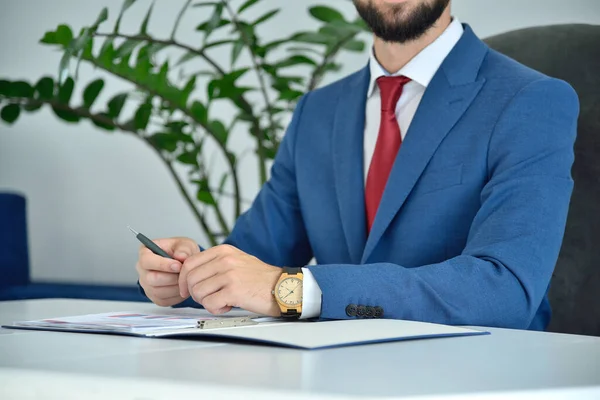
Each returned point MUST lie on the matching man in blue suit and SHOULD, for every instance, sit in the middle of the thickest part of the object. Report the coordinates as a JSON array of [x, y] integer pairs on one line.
[[432, 185]]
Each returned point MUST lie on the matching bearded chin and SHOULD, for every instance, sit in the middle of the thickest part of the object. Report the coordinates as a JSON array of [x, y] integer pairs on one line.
[[403, 26]]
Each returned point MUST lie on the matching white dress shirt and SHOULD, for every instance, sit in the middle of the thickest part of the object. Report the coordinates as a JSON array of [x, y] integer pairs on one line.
[[420, 70]]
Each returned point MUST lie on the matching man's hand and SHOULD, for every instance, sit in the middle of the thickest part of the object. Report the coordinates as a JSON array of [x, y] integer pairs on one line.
[[224, 277], [158, 275]]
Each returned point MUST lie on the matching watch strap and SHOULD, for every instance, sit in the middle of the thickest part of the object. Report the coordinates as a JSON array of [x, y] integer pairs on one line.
[[292, 271]]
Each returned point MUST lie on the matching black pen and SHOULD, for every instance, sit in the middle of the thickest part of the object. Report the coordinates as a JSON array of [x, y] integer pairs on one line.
[[150, 244]]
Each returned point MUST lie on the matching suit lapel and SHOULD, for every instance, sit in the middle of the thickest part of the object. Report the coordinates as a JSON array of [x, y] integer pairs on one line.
[[348, 134], [447, 97]]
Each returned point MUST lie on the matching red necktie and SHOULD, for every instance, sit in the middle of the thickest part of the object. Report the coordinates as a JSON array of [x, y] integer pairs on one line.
[[388, 143]]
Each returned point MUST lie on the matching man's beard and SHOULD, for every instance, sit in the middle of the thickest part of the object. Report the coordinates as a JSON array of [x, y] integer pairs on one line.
[[403, 28]]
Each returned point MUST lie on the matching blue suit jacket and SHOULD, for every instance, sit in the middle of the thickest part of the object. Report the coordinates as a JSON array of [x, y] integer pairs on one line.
[[472, 219]]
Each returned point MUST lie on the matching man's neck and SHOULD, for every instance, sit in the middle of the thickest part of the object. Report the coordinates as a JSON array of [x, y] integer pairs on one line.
[[394, 56]]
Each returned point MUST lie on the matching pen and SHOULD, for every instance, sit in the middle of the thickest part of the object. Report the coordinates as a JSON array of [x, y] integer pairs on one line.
[[150, 244]]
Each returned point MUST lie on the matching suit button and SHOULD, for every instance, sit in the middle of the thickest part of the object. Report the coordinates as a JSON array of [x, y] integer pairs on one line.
[[378, 312], [361, 311], [370, 313], [351, 310]]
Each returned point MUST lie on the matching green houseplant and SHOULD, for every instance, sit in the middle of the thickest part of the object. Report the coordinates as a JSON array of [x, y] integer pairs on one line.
[[169, 116]]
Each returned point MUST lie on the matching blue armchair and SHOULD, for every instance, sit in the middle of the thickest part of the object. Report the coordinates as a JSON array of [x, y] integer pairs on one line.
[[15, 282]]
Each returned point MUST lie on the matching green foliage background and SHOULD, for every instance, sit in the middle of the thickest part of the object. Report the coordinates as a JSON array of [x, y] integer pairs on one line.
[[168, 117]]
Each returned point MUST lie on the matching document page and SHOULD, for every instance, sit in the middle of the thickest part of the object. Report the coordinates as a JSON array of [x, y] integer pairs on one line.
[[126, 322]]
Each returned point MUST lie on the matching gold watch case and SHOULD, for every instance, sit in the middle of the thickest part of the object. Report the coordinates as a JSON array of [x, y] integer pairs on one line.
[[288, 293]]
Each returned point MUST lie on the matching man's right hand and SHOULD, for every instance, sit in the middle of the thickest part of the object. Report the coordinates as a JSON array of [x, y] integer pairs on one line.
[[159, 276]]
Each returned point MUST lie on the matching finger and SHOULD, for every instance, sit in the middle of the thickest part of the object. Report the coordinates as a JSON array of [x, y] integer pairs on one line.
[[159, 279], [168, 302], [149, 261], [179, 247], [201, 289], [194, 262], [202, 273], [218, 303], [164, 292]]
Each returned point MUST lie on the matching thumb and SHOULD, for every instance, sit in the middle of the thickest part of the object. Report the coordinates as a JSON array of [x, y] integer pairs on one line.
[[183, 248]]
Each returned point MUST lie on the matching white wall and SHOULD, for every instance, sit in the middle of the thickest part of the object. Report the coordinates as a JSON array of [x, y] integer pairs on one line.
[[84, 185]]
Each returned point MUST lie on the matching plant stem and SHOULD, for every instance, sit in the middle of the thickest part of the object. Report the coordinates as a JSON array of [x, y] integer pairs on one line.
[[84, 113], [319, 71], [185, 111], [211, 236], [263, 88], [166, 42], [243, 102]]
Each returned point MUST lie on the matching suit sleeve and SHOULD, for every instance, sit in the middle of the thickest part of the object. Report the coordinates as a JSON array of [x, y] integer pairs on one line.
[[273, 228], [504, 271]]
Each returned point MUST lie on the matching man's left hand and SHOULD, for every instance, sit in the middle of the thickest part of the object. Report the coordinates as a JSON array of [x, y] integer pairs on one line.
[[223, 277]]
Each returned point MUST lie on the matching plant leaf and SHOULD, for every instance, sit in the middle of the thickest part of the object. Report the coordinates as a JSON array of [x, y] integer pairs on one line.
[[295, 60], [10, 113], [313, 37], [5, 87], [215, 20], [355, 45], [115, 105], [205, 197], [108, 127], [189, 157], [91, 92], [219, 131], [144, 28], [305, 49], [186, 57], [247, 4], [64, 66], [124, 7], [101, 18], [45, 88], [65, 91], [49, 38], [32, 107], [21, 89], [265, 17], [236, 50], [325, 14], [66, 115], [199, 111], [127, 47], [107, 53], [187, 90], [205, 4], [217, 43], [63, 35], [204, 26], [142, 116], [164, 141]]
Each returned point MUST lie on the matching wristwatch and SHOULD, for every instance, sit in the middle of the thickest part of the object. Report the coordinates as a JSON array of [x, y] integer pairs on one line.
[[288, 292]]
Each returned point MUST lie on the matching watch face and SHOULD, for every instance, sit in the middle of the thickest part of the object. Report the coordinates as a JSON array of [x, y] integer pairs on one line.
[[289, 291]]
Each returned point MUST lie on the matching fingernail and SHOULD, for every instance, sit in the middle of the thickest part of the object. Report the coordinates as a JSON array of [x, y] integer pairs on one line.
[[175, 267]]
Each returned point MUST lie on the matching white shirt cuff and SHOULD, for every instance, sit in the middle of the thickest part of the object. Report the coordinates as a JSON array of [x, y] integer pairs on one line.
[[311, 296]]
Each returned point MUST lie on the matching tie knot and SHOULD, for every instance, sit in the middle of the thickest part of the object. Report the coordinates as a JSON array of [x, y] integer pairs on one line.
[[391, 90]]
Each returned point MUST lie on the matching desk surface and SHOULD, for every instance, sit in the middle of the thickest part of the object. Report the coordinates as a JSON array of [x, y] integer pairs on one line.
[[68, 365]]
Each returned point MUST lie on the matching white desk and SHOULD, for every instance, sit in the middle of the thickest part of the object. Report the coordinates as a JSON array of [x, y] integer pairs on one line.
[[505, 364]]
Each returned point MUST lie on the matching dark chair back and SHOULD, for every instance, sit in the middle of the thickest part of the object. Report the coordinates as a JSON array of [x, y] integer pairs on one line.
[[572, 53], [14, 255]]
